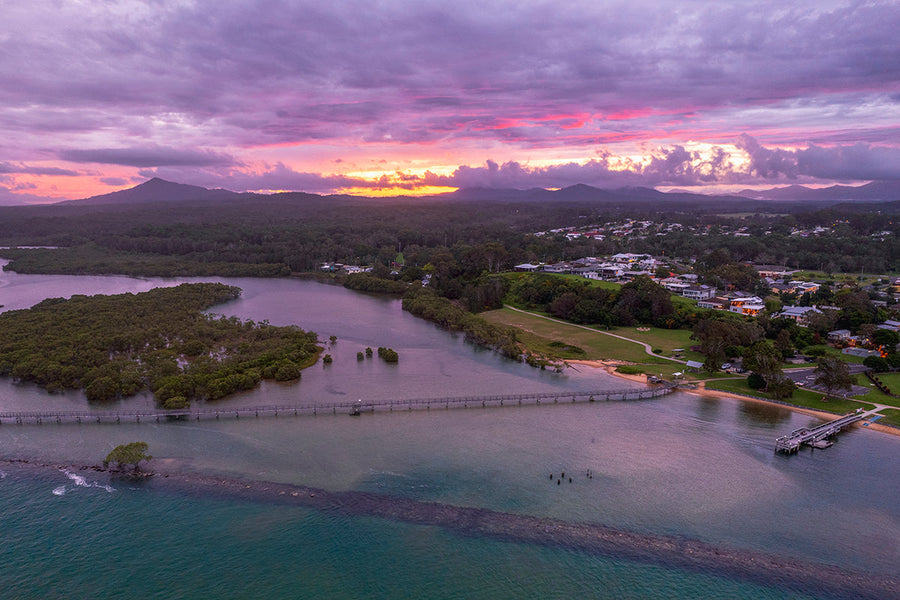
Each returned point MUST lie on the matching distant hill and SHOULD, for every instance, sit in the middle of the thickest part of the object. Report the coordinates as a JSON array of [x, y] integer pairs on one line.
[[156, 190], [877, 191], [800, 197]]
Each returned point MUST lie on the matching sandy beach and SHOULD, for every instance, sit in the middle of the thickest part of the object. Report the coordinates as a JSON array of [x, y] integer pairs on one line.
[[610, 367]]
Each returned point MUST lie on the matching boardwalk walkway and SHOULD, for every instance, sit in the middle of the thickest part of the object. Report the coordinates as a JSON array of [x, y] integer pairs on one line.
[[355, 408]]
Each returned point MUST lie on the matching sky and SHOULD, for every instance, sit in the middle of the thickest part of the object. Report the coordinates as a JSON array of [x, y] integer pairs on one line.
[[420, 96]]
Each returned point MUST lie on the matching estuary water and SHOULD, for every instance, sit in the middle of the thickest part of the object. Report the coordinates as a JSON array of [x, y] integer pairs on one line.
[[692, 467]]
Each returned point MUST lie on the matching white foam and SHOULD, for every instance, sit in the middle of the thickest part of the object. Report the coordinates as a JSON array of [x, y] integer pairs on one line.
[[80, 481], [60, 491], [2, 474]]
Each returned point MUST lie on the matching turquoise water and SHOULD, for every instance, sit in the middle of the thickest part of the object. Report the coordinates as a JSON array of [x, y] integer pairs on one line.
[[682, 465], [135, 542]]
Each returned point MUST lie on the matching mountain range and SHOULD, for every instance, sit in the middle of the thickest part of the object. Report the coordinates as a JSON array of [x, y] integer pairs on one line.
[[160, 190]]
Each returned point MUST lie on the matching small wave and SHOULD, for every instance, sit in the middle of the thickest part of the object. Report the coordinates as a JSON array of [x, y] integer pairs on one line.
[[3, 474], [60, 491], [388, 473], [80, 481]]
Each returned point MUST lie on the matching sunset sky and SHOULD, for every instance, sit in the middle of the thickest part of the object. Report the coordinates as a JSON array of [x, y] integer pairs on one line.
[[421, 96]]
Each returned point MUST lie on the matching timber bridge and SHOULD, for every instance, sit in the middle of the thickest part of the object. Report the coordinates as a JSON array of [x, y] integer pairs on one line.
[[351, 408], [817, 437]]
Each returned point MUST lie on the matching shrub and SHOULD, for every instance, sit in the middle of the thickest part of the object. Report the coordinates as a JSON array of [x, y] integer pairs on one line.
[[327, 359], [388, 355], [176, 403], [360, 356], [755, 381], [877, 364]]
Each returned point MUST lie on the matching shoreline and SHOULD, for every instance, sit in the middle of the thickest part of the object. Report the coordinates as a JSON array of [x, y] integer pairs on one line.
[[610, 367], [664, 550]]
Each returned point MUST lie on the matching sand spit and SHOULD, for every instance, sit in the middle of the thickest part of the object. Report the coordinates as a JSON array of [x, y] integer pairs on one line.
[[689, 554]]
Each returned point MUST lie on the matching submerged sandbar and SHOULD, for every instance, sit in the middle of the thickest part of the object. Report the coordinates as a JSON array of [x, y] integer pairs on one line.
[[668, 551]]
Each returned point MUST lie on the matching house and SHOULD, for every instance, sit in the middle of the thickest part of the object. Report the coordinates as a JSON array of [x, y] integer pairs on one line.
[[610, 271], [890, 325], [839, 335], [802, 287], [694, 365], [747, 305], [773, 271], [527, 267], [560, 267], [676, 287], [798, 314], [860, 352], [717, 303], [699, 292]]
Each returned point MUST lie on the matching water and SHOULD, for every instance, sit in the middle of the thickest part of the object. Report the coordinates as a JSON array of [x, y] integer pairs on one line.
[[681, 465]]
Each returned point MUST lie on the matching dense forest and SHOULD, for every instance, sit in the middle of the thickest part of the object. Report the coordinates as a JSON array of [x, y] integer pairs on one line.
[[161, 340], [273, 235]]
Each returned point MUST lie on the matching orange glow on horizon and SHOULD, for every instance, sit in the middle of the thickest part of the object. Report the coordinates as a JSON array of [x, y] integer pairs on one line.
[[425, 190]]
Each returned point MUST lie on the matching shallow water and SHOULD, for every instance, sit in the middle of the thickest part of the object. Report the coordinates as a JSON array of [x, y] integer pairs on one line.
[[681, 465]]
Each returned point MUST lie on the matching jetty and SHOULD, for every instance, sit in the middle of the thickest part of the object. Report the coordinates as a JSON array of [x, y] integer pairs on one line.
[[817, 437], [345, 407]]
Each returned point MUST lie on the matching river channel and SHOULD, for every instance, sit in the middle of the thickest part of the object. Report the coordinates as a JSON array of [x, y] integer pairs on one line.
[[682, 465]]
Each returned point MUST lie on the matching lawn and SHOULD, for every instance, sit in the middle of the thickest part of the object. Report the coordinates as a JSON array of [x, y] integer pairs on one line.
[[803, 398], [538, 334], [891, 417], [891, 380], [832, 351]]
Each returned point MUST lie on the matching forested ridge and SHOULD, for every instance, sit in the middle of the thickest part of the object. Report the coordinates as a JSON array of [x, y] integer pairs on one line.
[[160, 340], [274, 235]]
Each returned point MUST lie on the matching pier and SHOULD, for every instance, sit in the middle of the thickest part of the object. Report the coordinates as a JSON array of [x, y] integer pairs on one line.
[[347, 407], [817, 437]]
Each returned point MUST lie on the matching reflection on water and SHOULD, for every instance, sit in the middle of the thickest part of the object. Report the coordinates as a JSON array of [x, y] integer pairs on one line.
[[763, 414]]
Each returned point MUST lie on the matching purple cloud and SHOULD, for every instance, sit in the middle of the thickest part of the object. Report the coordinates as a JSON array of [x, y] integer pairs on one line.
[[148, 157], [9, 168], [188, 88]]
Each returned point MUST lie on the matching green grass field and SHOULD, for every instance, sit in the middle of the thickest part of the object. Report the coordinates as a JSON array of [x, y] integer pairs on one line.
[[891, 380], [891, 417], [832, 351], [538, 334], [803, 398]]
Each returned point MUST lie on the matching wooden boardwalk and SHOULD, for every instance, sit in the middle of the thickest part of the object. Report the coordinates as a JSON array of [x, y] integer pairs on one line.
[[351, 408], [792, 442]]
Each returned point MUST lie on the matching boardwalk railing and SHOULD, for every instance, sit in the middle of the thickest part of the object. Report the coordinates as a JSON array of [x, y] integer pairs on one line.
[[353, 408], [804, 435]]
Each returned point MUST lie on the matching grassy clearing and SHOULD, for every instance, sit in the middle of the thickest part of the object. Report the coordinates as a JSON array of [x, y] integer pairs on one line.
[[891, 417], [663, 339], [803, 398], [832, 351], [891, 380], [538, 334]]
